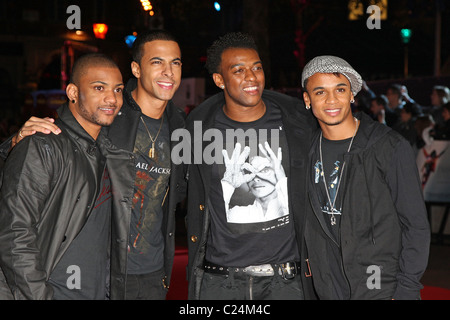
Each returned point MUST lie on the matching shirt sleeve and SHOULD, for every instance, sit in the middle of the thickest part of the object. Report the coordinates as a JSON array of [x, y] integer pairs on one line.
[[26, 186], [5, 147]]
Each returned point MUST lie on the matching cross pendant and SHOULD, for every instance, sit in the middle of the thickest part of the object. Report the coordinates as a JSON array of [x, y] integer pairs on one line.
[[333, 220]]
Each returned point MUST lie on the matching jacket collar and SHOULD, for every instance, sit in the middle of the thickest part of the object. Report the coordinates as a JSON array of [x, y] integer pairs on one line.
[[208, 109], [128, 98], [369, 132], [73, 128], [123, 130], [297, 123]]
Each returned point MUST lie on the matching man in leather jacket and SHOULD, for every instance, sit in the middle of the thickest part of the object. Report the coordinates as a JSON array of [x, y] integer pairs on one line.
[[149, 188], [55, 199]]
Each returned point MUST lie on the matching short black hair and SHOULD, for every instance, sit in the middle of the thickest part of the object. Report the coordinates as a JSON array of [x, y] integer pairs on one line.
[[395, 88], [229, 40], [88, 60], [143, 38], [381, 100], [412, 109]]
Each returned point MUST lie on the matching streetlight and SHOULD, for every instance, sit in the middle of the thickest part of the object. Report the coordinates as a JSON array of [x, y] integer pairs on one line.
[[147, 6], [129, 40], [405, 35], [100, 30]]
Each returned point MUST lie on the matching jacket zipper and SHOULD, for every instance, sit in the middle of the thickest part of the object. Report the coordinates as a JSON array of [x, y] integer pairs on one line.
[[165, 196], [250, 287], [325, 229], [341, 262]]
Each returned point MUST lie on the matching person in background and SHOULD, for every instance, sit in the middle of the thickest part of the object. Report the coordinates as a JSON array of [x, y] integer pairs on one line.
[[363, 99], [406, 125], [394, 95], [440, 95], [378, 108], [398, 96], [442, 131]]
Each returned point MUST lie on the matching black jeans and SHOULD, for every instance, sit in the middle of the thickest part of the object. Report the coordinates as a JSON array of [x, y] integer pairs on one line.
[[239, 286], [146, 286]]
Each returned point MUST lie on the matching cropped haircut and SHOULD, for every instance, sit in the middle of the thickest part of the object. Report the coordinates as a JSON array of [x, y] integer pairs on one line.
[[142, 39], [229, 40], [412, 109], [381, 100], [396, 88], [84, 62]]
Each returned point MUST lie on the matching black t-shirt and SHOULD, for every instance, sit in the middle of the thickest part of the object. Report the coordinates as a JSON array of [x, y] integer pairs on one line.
[[146, 242], [250, 220], [83, 271], [333, 157]]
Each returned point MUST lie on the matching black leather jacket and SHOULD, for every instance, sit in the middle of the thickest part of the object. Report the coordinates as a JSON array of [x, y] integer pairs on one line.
[[50, 183], [122, 133]]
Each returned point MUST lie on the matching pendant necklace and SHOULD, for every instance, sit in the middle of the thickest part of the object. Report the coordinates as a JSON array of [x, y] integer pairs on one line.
[[151, 152], [333, 210]]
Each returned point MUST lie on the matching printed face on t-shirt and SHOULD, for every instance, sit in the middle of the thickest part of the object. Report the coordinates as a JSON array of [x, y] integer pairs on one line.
[[263, 184]]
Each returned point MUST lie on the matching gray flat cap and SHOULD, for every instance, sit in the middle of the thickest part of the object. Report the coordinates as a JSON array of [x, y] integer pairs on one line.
[[332, 64]]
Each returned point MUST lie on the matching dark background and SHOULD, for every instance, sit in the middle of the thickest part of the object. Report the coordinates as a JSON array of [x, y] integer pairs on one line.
[[34, 39], [34, 35]]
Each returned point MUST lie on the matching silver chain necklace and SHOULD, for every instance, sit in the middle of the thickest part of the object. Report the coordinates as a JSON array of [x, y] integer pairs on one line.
[[333, 210]]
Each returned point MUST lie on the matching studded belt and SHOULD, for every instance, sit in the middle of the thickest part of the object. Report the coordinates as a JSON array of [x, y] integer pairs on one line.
[[287, 270]]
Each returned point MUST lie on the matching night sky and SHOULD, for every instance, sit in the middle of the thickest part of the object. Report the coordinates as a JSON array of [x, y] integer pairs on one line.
[[288, 32]]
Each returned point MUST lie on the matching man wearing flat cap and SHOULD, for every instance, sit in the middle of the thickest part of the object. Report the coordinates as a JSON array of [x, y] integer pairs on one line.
[[366, 233]]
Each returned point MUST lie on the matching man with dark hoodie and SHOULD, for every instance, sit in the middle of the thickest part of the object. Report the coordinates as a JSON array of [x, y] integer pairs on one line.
[[154, 182], [367, 233]]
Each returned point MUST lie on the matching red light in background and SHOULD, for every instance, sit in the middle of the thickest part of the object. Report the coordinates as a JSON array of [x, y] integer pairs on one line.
[[100, 30]]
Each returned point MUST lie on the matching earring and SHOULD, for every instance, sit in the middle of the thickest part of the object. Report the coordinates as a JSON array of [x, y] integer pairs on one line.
[[308, 107], [352, 101], [222, 87], [73, 100]]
